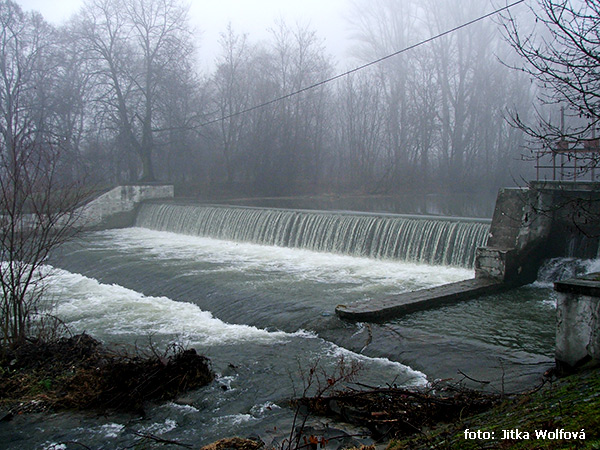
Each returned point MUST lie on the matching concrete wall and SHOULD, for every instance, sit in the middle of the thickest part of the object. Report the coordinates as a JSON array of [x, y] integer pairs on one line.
[[117, 208], [518, 234], [578, 323], [539, 222]]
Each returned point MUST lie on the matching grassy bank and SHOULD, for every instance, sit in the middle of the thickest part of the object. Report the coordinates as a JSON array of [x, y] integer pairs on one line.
[[528, 421]]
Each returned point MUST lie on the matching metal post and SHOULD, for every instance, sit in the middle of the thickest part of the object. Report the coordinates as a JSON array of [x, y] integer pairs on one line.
[[593, 149], [562, 141]]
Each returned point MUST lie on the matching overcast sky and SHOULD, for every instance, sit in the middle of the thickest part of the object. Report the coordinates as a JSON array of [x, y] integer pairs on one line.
[[255, 17]]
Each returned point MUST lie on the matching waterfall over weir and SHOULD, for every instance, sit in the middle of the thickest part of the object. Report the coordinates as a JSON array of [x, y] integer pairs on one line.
[[424, 240]]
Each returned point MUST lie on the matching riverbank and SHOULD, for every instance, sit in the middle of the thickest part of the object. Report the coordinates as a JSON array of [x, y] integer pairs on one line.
[[562, 414], [80, 373]]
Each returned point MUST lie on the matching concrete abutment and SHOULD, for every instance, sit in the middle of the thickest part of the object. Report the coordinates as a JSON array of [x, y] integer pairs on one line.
[[548, 219], [117, 207], [577, 323], [529, 225]]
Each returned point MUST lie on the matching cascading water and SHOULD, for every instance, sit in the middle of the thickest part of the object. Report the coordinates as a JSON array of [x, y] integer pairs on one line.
[[557, 269], [423, 240]]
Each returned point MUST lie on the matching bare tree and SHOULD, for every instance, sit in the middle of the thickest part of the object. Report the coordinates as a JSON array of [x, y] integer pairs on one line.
[[561, 54], [361, 118], [444, 101], [232, 94], [38, 213], [37, 210], [181, 141], [383, 27], [24, 41], [136, 46], [71, 95], [464, 62], [298, 59]]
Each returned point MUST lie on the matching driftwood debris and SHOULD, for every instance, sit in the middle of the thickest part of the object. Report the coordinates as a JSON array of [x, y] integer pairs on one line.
[[79, 372], [391, 412]]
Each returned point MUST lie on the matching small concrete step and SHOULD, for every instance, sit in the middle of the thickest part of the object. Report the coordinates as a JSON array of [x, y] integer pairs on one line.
[[379, 310]]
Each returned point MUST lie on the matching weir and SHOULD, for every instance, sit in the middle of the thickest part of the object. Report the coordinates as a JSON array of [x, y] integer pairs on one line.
[[428, 240], [529, 225]]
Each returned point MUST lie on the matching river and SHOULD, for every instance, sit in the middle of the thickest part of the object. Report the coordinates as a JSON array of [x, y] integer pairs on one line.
[[264, 316]]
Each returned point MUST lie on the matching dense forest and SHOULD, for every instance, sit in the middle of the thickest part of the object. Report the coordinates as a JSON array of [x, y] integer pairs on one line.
[[116, 91]]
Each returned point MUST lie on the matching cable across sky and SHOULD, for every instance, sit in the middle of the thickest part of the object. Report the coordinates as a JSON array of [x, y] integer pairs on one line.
[[364, 66]]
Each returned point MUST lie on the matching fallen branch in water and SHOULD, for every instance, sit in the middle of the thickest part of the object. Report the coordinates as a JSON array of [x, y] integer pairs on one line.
[[391, 412], [151, 437]]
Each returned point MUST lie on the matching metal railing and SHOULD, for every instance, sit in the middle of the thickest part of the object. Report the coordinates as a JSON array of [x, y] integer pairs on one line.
[[569, 163]]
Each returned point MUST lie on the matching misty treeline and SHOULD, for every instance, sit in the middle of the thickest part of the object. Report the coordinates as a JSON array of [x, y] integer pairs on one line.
[[117, 89]]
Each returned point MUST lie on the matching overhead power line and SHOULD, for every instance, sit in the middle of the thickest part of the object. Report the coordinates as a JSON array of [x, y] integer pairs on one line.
[[364, 66]]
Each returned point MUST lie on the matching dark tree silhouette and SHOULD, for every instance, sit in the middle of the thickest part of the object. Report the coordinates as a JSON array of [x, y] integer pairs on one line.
[[38, 211]]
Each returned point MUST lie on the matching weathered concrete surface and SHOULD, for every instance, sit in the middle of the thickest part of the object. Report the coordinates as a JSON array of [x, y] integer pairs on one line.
[[578, 322], [397, 305], [518, 234], [507, 218], [117, 208], [494, 263]]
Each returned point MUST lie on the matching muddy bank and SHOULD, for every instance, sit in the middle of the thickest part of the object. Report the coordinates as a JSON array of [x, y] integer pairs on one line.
[[80, 373]]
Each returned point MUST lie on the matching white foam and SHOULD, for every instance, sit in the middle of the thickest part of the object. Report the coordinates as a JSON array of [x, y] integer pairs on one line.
[[226, 382], [112, 430], [406, 375], [362, 273], [261, 410], [161, 428], [183, 408], [234, 419], [88, 305], [592, 265], [54, 446], [549, 303]]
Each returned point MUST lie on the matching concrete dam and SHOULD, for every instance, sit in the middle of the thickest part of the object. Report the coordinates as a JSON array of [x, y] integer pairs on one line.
[[528, 226]]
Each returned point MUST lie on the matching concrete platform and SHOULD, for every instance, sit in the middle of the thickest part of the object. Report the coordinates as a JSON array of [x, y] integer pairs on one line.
[[585, 285], [379, 310]]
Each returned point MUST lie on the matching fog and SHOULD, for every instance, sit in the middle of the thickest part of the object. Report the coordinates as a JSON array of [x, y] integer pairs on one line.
[[141, 90], [254, 17]]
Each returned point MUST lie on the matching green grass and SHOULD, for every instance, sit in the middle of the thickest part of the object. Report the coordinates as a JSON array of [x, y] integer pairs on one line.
[[571, 404]]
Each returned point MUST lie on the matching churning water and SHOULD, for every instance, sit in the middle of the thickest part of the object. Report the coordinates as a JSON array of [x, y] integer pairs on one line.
[[264, 315]]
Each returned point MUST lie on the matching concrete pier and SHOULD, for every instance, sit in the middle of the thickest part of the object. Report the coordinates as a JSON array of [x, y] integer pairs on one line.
[[578, 323], [378, 310], [117, 207]]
